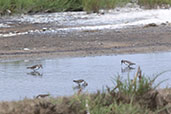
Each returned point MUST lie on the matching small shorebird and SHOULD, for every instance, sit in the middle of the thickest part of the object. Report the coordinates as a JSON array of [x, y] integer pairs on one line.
[[128, 63], [42, 95], [78, 81], [35, 67]]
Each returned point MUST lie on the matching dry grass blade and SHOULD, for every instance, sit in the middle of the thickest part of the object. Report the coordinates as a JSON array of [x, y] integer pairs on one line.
[[138, 75]]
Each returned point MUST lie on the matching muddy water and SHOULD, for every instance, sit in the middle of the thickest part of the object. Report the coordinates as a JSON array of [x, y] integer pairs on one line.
[[56, 77]]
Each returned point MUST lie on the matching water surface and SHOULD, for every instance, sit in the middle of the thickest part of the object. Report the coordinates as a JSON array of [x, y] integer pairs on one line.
[[56, 78]]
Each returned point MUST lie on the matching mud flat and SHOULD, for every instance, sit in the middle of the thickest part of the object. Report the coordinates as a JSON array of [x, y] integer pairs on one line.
[[85, 43]]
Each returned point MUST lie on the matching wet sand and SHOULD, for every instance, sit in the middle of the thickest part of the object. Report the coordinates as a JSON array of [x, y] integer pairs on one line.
[[84, 43]]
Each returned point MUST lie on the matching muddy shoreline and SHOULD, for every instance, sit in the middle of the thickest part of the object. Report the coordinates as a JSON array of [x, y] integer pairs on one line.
[[85, 43]]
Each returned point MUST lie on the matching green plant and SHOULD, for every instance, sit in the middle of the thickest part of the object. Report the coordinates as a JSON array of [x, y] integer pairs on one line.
[[4, 5], [140, 85]]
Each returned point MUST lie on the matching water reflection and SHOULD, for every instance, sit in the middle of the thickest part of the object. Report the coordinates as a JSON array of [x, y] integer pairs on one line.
[[58, 74], [35, 73], [127, 69], [79, 87]]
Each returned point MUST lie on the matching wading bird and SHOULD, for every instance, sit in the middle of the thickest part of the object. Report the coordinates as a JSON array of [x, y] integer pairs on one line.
[[128, 63], [35, 67], [42, 95], [78, 81]]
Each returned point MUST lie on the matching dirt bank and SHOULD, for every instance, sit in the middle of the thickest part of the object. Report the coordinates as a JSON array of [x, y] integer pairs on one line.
[[85, 43]]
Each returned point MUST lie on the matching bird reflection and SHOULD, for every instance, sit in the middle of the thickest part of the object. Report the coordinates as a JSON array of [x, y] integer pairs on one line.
[[35, 73], [127, 69]]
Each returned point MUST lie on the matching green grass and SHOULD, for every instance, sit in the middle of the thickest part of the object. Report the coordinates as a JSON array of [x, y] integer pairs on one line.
[[34, 6], [137, 86], [95, 5]]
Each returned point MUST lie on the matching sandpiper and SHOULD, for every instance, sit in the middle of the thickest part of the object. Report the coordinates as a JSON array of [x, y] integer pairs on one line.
[[128, 63], [42, 95], [35, 67], [78, 81]]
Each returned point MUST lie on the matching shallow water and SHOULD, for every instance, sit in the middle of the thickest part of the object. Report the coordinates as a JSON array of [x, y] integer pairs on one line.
[[56, 78]]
